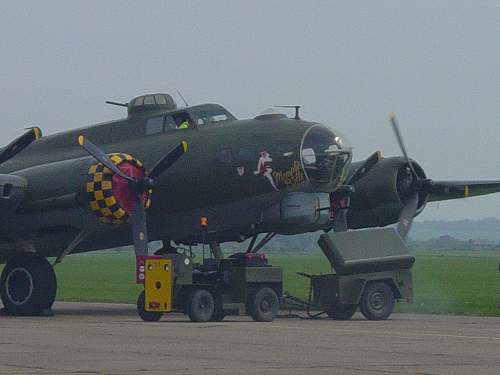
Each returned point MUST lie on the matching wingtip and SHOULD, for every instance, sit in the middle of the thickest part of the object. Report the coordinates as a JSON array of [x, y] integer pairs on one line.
[[392, 115], [184, 146]]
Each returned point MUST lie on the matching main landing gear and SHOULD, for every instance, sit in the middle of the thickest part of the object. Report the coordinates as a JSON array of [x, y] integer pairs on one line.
[[28, 285]]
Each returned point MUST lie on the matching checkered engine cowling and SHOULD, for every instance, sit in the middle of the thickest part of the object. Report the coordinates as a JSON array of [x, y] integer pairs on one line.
[[102, 193]]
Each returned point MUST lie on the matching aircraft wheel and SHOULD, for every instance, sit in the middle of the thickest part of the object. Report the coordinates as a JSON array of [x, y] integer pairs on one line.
[[201, 305], [147, 316], [28, 285], [264, 305], [340, 311], [377, 301]]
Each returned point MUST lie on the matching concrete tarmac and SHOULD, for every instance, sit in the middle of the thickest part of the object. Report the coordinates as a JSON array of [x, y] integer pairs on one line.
[[84, 338]]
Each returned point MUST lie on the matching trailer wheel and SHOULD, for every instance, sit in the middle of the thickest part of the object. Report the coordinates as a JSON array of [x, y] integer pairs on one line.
[[264, 305], [201, 305], [218, 316], [340, 311], [219, 313], [377, 301], [147, 316]]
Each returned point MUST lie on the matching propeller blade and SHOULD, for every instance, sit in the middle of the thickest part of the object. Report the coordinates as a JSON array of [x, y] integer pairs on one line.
[[364, 168], [20, 143], [407, 215], [166, 162], [139, 228], [399, 138], [101, 157]]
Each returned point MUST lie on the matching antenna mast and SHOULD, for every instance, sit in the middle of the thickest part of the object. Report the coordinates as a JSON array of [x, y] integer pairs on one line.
[[182, 97]]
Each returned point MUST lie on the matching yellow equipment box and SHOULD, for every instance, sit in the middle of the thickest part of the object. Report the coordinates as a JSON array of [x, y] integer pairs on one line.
[[158, 285]]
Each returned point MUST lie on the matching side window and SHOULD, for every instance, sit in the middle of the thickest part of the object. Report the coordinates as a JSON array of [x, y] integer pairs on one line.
[[204, 117], [286, 149], [219, 117], [248, 154], [154, 125], [169, 123], [224, 156]]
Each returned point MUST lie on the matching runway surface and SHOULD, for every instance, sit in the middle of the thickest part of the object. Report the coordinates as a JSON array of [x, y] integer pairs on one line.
[[85, 338]]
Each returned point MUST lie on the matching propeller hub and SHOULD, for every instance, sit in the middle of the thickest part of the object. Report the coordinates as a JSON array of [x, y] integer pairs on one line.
[[125, 191], [406, 184]]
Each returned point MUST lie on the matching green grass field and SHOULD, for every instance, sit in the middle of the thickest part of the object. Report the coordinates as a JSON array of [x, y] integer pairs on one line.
[[453, 284]]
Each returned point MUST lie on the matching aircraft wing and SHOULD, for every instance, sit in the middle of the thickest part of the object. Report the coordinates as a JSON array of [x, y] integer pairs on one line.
[[445, 190]]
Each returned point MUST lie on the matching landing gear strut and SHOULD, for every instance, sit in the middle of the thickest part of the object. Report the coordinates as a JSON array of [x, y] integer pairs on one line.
[[28, 285]]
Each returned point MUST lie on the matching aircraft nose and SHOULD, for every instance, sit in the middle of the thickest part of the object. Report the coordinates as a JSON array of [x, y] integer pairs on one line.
[[325, 155]]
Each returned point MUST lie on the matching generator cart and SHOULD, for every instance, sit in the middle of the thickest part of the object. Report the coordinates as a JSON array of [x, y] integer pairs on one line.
[[242, 284], [371, 271]]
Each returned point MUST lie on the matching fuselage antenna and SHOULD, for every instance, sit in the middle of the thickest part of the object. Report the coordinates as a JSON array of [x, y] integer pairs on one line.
[[182, 97]]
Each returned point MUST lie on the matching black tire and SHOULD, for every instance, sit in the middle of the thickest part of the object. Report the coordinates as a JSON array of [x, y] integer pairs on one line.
[[147, 316], [28, 285], [264, 305], [218, 316], [340, 311], [219, 313], [377, 301], [201, 305]]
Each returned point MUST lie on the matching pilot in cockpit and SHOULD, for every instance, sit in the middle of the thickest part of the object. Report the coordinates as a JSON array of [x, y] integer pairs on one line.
[[182, 122]]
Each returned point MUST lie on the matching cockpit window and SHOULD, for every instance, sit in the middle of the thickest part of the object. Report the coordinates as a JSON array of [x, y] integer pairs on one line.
[[210, 116]]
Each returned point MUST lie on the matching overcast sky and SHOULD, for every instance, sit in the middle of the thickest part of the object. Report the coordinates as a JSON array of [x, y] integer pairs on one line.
[[435, 63]]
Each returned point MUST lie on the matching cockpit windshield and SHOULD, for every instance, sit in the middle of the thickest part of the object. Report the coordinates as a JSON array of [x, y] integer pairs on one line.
[[211, 115]]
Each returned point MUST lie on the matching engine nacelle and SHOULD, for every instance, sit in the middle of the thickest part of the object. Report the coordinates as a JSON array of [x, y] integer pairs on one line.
[[83, 182], [381, 194], [110, 196]]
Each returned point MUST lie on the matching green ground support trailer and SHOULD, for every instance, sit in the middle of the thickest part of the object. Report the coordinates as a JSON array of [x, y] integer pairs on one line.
[[371, 272], [240, 284]]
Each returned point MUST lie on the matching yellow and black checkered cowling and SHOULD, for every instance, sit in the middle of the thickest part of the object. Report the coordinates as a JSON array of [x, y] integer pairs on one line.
[[100, 191]]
